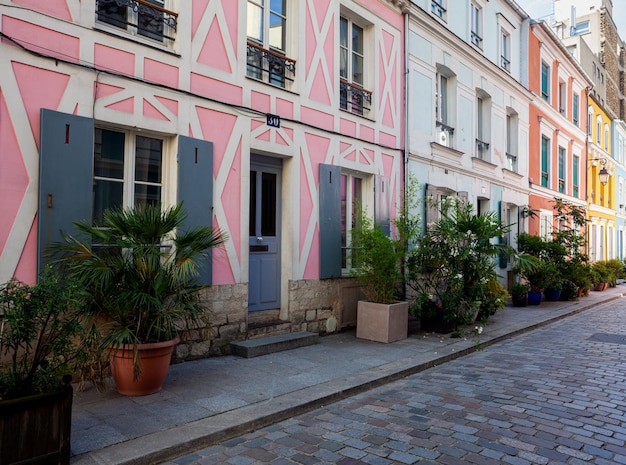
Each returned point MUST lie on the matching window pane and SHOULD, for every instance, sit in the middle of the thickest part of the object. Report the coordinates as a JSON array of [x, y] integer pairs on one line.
[[343, 32], [268, 204], [113, 14], [106, 194], [277, 32], [343, 63], [150, 21], [278, 6], [357, 39], [357, 69], [255, 22], [108, 154], [147, 195], [148, 156]]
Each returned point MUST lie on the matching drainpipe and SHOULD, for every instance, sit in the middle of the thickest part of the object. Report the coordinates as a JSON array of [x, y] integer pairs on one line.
[[588, 225]]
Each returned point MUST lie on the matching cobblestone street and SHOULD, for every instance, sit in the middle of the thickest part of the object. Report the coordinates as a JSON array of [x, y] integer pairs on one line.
[[556, 395]]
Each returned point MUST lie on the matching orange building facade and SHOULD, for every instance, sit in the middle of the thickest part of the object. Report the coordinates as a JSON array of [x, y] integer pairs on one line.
[[558, 129]]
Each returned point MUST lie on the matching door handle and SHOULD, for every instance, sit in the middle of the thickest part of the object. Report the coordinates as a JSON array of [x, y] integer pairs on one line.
[[259, 239]]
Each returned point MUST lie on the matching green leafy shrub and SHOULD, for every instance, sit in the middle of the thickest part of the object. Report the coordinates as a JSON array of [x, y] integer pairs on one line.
[[41, 335]]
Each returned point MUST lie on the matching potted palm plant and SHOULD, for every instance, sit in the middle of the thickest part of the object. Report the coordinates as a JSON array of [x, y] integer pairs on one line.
[[41, 347], [139, 268]]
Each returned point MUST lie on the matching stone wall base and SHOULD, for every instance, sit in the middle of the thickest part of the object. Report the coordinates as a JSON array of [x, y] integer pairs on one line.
[[318, 306]]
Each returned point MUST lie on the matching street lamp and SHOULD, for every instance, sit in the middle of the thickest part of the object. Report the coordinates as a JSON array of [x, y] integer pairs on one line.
[[603, 174]]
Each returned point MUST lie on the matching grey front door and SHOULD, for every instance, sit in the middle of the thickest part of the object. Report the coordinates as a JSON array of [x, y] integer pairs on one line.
[[264, 241]]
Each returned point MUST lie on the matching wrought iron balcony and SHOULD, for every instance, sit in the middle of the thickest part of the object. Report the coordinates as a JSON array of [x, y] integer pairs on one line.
[[145, 17], [505, 63], [269, 66], [481, 149], [437, 8], [476, 39], [511, 162], [354, 98]]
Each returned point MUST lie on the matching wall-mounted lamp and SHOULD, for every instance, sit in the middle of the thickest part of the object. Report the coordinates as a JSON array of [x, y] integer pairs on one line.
[[603, 174]]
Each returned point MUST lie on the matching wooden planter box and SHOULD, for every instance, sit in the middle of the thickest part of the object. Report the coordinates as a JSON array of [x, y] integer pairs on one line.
[[35, 430], [382, 322]]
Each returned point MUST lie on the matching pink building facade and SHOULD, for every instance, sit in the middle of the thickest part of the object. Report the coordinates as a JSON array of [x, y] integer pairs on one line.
[[267, 119]]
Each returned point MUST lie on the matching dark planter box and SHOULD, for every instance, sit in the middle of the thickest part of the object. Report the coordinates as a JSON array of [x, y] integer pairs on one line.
[[520, 300], [35, 430], [436, 323]]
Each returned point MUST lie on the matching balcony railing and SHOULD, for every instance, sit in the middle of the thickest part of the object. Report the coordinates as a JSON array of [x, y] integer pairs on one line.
[[505, 63], [511, 162], [354, 98], [437, 8], [476, 39], [144, 17], [482, 149], [270, 66]]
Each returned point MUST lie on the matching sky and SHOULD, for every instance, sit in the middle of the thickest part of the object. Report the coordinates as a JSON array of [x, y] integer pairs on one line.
[[539, 8]]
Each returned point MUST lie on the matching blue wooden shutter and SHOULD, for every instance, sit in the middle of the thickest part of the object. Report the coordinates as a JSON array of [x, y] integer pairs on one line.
[[195, 189], [382, 203], [330, 221], [65, 177]]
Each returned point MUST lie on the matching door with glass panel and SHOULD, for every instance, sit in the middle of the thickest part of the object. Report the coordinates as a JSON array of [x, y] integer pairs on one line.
[[264, 232]]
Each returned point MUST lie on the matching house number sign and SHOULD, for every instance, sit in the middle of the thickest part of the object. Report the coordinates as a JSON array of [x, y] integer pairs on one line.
[[273, 121]]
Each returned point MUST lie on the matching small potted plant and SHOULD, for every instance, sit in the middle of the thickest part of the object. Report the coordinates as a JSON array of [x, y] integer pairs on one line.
[[139, 269], [552, 284], [519, 294], [376, 264], [41, 347]]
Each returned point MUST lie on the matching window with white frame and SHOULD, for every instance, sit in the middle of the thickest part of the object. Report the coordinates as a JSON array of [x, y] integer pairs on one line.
[[576, 176], [576, 109], [445, 106], [505, 50], [581, 28], [599, 130], [512, 128], [352, 72], [607, 136], [483, 118], [476, 24], [545, 161], [545, 224], [128, 170], [589, 120], [545, 81], [144, 18], [352, 188], [438, 8], [266, 51], [562, 97], [562, 168]]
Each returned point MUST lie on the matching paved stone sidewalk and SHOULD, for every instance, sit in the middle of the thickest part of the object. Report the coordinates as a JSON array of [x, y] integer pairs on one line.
[[211, 400], [556, 395]]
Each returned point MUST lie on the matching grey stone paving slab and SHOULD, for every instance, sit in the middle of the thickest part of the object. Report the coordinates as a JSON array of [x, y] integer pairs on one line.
[[337, 367]]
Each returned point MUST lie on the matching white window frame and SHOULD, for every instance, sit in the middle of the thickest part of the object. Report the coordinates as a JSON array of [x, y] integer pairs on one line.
[[599, 130], [476, 24], [350, 211], [546, 225], [354, 88], [129, 182], [546, 94], [505, 50], [512, 139], [607, 136]]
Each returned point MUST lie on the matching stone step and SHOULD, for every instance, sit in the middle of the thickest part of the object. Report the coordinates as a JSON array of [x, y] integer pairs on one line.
[[268, 328], [268, 345]]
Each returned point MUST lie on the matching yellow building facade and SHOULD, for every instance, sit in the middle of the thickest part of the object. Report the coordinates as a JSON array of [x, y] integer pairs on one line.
[[601, 197]]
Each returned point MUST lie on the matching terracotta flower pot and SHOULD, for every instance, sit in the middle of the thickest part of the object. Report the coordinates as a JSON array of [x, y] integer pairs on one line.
[[154, 363]]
